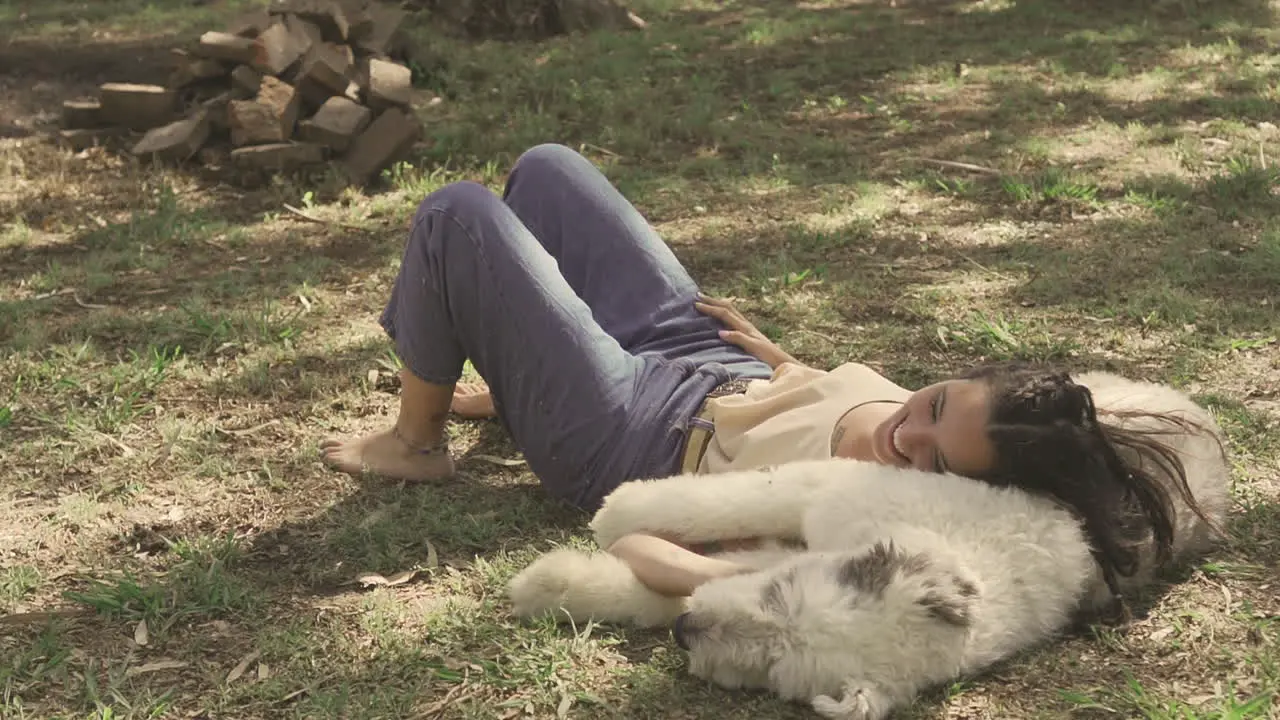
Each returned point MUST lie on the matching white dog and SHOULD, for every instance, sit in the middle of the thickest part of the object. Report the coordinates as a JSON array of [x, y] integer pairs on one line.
[[905, 580]]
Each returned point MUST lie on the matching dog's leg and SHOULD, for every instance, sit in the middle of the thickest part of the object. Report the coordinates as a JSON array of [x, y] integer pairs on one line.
[[581, 586], [859, 702], [725, 506]]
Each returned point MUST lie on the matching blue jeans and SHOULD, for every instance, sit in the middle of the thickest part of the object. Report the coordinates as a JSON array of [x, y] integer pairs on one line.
[[573, 310]]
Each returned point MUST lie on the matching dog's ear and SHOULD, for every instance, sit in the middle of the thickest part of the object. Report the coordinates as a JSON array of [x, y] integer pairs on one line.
[[950, 598]]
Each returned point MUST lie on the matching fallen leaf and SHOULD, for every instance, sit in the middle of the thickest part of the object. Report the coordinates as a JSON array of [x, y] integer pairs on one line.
[[140, 634], [1161, 634], [241, 666], [401, 578], [376, 580], [494, 459], [373, 377], [566, 702], [156, 666], [433, 558], [264, 672]]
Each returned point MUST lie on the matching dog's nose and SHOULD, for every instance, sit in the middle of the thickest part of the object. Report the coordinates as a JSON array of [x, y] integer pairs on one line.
[[680, 630]]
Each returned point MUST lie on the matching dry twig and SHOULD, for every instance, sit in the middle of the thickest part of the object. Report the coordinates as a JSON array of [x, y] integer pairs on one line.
[[963, 166], [42, 617], [313, 218], [437, 708]]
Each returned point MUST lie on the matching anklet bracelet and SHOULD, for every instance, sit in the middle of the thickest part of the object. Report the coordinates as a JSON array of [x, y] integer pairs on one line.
[[440, 446]]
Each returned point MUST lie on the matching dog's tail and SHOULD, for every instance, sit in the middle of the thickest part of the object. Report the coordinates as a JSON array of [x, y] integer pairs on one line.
[[582, 586]]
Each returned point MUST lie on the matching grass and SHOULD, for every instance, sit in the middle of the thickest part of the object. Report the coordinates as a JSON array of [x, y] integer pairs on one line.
[[172, 348]]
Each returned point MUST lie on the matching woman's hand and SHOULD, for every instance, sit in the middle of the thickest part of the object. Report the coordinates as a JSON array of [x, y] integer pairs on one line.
[[741, 332]]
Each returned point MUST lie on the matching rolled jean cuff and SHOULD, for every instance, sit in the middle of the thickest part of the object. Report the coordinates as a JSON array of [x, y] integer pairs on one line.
[[429, 376]]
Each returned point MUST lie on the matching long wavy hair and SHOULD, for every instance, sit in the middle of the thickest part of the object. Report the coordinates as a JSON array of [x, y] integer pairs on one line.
[[1049, 439]]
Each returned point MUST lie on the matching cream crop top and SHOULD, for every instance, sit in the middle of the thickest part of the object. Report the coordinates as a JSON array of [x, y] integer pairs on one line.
[[790, 416]]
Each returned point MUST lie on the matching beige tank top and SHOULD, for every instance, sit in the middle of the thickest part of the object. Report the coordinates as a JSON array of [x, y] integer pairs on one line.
[[790, 416]]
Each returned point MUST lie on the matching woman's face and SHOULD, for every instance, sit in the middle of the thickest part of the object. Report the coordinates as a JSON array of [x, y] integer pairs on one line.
[[940, 428]]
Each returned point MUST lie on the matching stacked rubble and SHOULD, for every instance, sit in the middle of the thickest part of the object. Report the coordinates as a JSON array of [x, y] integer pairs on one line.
[[300, 84]]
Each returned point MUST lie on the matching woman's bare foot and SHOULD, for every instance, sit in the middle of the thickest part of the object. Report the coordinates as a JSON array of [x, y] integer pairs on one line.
[[384, 453], [472, 401]]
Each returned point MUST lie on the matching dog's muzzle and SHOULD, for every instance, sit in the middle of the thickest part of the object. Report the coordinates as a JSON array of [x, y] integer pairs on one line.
[[680, 630]]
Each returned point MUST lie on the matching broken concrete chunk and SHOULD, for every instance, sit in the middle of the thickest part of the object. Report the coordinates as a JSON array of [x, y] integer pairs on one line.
[[81, 114], [225, 46], [176, 141], [139, 107], [275, 50], [304, 30], [269, 117], [352, 92], [389, 84], [336, 124], [246, 81], [343, 51], [278, 156], [325, 73], [386, 140]]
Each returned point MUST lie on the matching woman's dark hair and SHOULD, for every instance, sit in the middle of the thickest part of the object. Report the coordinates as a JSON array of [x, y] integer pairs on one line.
[[1048, 439]]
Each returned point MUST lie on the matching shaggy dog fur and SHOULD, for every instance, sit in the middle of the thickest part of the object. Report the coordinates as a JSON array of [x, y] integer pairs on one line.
[[904, 580]]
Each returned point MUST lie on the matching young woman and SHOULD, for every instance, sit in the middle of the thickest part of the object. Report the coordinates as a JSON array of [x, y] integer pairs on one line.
[[605, 364]]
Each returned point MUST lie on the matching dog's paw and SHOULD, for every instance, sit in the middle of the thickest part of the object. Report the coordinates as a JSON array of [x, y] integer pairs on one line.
[[632, 507], [857, 703], [580, 586], [543, 586]]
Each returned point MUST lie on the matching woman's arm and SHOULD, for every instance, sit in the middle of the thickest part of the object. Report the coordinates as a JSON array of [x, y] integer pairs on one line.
[[668, 568]]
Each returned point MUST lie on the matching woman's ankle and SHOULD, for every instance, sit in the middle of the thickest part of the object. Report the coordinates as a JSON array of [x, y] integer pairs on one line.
[[421, 439]]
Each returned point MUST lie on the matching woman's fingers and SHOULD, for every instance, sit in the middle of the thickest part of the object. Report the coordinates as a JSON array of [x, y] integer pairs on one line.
[[711, 300], [724, 315], [741, 339], [709, 308], [721, 312]]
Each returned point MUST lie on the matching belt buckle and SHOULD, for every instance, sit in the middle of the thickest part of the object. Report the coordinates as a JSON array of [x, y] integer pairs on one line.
[[734, 386]]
